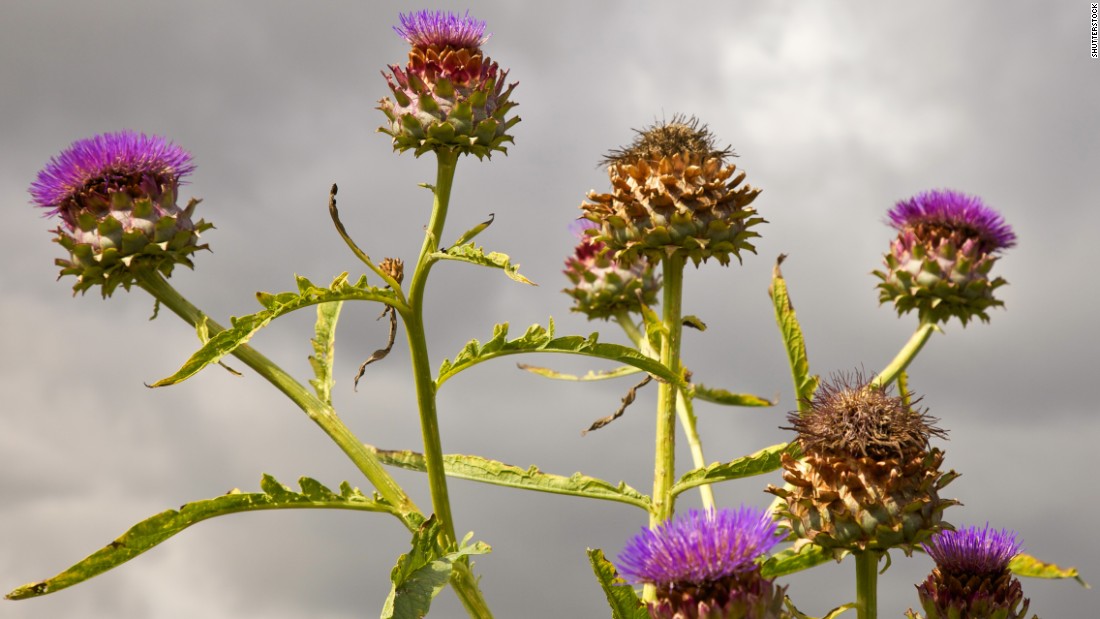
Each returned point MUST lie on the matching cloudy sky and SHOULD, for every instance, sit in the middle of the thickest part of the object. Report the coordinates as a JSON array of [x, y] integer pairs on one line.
[[837, 112]]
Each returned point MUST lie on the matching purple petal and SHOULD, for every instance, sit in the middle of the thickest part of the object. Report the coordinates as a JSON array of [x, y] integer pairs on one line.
[[106, 157], [699, 547], [956, 211], [441, 28], [973, 550]]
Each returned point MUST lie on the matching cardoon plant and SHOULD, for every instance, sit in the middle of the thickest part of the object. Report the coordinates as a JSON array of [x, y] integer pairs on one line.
[[674, 197], [939, 264], [449, 95], [704, 565], [971, 578], [115, 195], [861, 476], [867, 481]]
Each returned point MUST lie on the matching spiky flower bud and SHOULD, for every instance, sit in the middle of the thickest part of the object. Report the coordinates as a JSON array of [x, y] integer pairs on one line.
[[971, 578], [703, 566], [449, 95], [867, 479], [939, 263], [115, 194], [673, 191], [602, 288]]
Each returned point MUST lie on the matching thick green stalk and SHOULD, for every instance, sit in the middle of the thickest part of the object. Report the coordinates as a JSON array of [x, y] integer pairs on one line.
[[418, 344], [462, 578], [322, 414], [867, 584], [905, 356], [685, 414], [664, 468], [664, 465]]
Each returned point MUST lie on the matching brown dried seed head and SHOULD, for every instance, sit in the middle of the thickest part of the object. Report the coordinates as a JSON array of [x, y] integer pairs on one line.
[[848, 416]]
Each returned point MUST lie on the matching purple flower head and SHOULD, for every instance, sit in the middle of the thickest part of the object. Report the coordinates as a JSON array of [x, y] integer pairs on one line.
[[442, 29], [973, 551], [945, 211], [104, 164], [699, 548]]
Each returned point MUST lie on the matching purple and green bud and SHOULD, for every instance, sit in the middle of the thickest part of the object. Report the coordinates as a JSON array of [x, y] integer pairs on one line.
[[603, 288], [939, 264], [115, 194], [449, 95], [705, 566], [971, 577], [674, 192]]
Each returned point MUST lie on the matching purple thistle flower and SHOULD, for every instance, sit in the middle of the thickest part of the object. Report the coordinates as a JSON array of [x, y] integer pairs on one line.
[[699, 548], [449, 95], [442, 29], [972, 578], [116, 196], [973, 551], [104, 164], [946, 210]]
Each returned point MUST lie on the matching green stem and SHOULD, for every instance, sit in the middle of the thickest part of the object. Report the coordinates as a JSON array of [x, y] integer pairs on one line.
[[462, 579], [664, 468], [905, 356], [418, 344], [683, 408], [867, 584], [664, 465], [322, 414], [695, 444], [636, 335]]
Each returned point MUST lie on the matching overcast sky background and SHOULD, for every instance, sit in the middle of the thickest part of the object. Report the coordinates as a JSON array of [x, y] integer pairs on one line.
[[837, 111]]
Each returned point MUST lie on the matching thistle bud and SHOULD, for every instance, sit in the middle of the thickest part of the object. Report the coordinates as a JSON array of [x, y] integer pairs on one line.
[[939, 264], [867, 479], [115, 194], [971, 577], [602, 288], [704, 566], [449, 95], [673, 191]]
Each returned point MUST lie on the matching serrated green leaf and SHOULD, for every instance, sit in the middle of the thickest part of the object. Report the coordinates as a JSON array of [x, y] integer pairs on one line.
[[244, 327], [591, 375], [476, 255], [624, 601], [324, 345], [422, 573], [157, 529], [541, 340], [1029, 566], [804, 383], [721, 396], [791, 560], [764, 461], [476, 468]]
